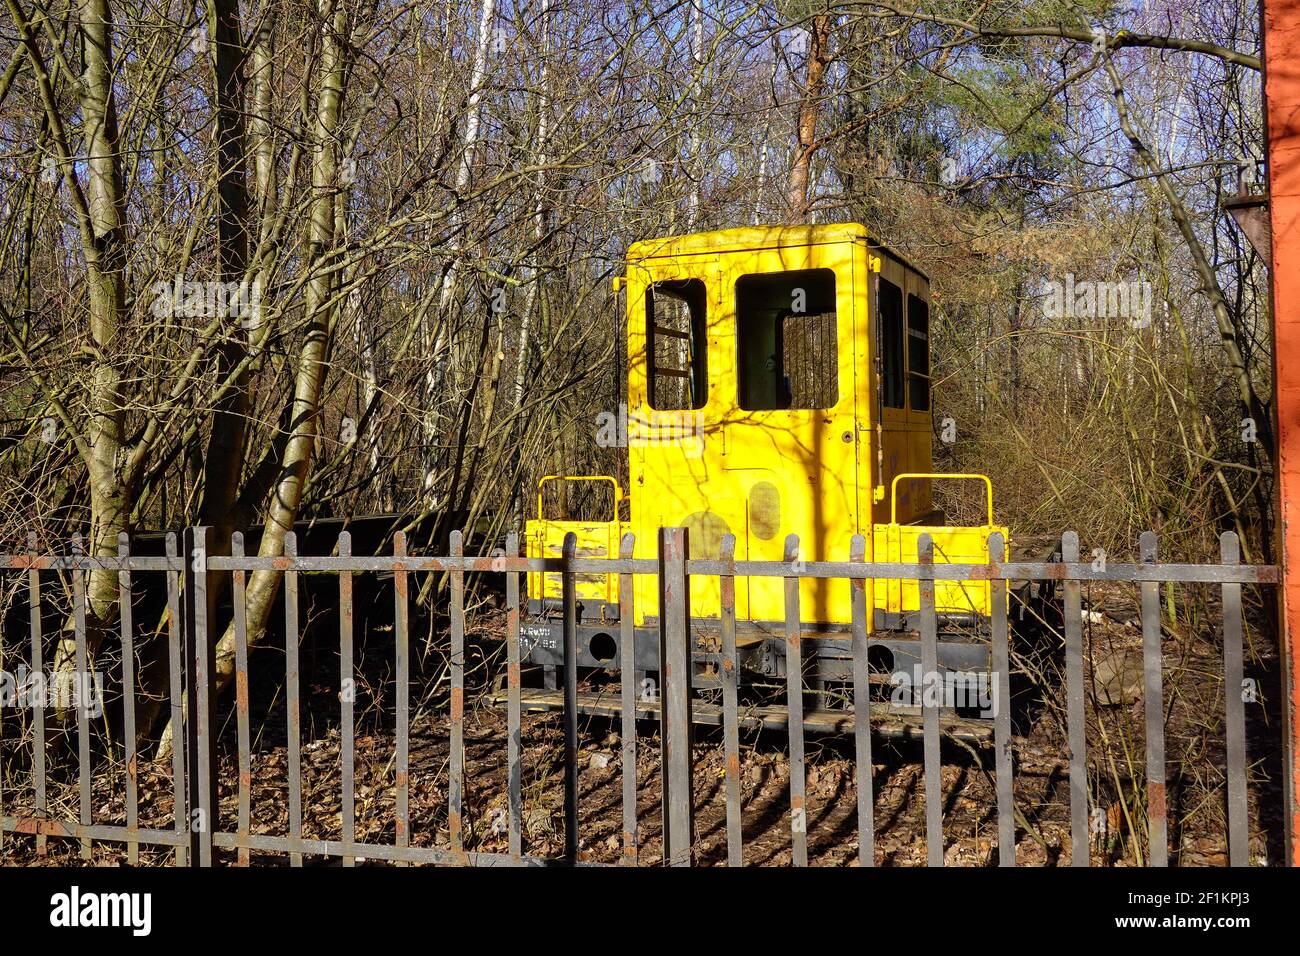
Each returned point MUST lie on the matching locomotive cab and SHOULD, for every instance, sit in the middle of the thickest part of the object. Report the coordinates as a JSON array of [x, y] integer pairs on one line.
[[778, 383]]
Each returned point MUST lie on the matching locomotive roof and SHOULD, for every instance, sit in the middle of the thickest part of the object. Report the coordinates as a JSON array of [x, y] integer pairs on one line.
[[746, 238]]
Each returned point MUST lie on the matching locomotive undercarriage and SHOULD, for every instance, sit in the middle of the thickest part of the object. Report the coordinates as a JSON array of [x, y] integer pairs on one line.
[[893, 658]]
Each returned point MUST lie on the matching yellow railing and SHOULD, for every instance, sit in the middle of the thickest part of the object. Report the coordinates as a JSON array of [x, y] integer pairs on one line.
[[618, 492], [893, 489], [596, 538]]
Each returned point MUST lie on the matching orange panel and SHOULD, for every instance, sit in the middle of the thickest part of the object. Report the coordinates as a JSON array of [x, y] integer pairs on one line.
[[1282, 93]]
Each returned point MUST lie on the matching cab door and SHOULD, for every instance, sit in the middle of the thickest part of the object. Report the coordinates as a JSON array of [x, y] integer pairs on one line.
[[790, 427], [920, 424], [866, 394], [672, 414], [901, 365], [892, 426]]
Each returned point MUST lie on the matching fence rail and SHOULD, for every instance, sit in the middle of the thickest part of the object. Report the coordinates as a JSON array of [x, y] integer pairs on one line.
[[199, 829]]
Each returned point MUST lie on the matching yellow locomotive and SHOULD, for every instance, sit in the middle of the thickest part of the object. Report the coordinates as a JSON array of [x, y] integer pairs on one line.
[[778, 382]]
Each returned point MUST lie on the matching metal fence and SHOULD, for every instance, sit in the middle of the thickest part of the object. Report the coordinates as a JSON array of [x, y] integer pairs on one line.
[[199, 828]]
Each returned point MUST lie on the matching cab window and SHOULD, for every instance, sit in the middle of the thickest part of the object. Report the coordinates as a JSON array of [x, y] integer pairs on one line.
[[918, 353], [676, 344], [889, 307], [786, 350]]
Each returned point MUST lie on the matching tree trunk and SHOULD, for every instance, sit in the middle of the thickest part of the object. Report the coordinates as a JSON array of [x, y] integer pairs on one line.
[[224, 462], [693, 166], [286, 496], [809, 107], [104, 249], [1251, 403], [445, 350]]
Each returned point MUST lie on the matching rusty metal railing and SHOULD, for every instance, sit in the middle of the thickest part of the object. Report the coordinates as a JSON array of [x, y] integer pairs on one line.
[[198, 829]]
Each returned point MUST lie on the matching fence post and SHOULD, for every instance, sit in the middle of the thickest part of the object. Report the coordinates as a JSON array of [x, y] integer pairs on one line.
[[569, 589], [1153, 702], [859, 588], [930, 709], [794, 706], [1076, 712], [85, 811], [629, 686], [998, 633], [38, 667], [1235, 699], [456, 768], [200, 723], [731, 702], [675, 696], [176, 691]]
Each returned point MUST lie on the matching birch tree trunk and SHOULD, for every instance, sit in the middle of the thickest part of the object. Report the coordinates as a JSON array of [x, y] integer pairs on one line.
[[444, 337], [103, 234], [540, 211]]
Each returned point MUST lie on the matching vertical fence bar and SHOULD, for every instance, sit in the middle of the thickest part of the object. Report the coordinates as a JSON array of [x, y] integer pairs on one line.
[[731, 702], [347, 700], [568, 584], [1080, 844], [175, 655], [1153, 703], [201, 659], [293, 697], [675, 694], [930, 709], [402, 652], [128, 700], [1002, 708], [628, 688], [38, 715], [239, 601], [794, 707], [1234, 699], [514, 717], [83, 713], [862, 709], [456, 772]]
